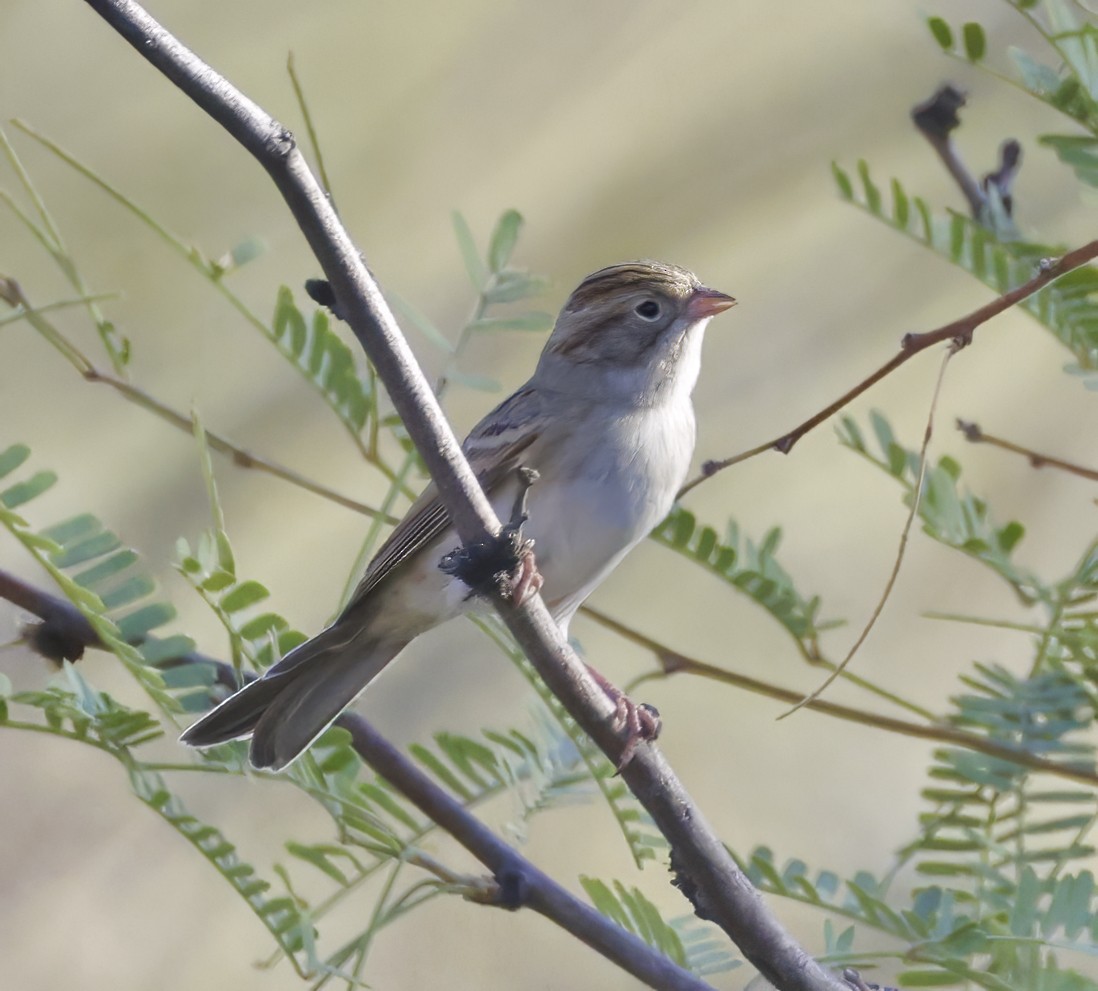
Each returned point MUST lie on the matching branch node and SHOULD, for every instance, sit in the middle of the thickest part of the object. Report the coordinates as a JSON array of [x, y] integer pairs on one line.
[[961, 341], [971, 430], [937, 116], [282, 141], [512, 888], [671, 662], [320, 292]]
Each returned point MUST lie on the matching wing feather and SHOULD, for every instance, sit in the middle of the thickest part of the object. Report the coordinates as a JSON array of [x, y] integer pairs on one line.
[[494, 448]]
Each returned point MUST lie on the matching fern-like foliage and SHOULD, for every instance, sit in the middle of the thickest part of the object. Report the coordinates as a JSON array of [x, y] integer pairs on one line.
[[689, 942], [259, 636], [640, 833], [1066, 307], [100, 576], [949, 512], [1069, 86], [73, 709], [750, 568], [326, 363]]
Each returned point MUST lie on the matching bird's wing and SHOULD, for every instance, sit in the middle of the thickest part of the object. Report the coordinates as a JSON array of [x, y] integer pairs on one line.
[[494, 449]]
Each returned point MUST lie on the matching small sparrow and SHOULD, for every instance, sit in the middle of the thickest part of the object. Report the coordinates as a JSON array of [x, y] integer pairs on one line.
[[607, 423]]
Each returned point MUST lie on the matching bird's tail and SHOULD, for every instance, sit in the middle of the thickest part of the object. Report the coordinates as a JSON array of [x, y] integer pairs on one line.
[[297, 699]]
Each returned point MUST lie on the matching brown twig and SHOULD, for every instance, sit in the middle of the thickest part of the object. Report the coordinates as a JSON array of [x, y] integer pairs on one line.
[[12, 294], [63, 624], [974, 434], [910, 345], [890, 584], [673, 662]]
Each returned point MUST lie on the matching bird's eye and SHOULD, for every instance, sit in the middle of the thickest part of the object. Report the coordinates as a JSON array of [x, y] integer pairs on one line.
[[648, 310]]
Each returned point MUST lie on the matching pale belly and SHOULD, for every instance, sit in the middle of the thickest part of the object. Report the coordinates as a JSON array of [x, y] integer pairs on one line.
[[597, 508], [586, 512]]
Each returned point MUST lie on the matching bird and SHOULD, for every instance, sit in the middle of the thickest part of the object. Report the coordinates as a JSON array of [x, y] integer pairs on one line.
[[606, 422]]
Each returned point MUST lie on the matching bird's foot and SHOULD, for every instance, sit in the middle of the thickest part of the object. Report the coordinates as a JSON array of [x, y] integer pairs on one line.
[[505, 564], [637, 722]]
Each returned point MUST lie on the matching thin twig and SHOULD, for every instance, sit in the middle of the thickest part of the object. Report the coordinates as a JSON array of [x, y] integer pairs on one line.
[[11, 292], [916, 499], [974, 434], [910, 345], [735, 905], [238, 455], [672, 662], [63, 622]]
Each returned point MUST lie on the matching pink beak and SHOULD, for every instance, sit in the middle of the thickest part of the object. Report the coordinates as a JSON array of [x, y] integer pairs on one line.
[[707, 303]]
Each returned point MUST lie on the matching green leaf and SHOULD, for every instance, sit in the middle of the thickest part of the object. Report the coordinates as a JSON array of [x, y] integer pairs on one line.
[[503, 240], [929, 979], [631, 910], [245, 594], [942, 33], [12, 458], [248, 250], [1077, 151], [1039, 79], [900, 211], [135, 625], [975, 41], [1023, 914], [478, 273], [23, 492], [536, 321], [842, 180], [327, 364], [418, 319], [509, 286], [869, 190], [472, 380]]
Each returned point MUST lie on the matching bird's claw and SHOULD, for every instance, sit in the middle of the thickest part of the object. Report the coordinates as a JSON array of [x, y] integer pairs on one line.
[[505, 564], [637, 722]]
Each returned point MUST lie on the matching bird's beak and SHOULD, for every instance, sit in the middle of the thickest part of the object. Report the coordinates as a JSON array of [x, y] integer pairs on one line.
[[708, 303]]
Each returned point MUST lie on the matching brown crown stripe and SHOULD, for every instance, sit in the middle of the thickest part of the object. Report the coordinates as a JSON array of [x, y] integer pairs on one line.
[[654, 275]]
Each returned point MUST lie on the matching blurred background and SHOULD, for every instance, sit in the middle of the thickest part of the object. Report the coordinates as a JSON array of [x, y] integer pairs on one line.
[[698, 133]]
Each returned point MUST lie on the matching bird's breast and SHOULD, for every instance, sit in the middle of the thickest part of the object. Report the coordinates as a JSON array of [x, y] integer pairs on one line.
[[603, 487]]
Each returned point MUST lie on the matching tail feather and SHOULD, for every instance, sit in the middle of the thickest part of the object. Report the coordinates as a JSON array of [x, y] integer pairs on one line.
[[312, 701], [297, 699], [236, 717]]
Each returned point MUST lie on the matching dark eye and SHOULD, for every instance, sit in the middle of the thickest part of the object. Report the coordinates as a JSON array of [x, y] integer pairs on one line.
[[648, 310]]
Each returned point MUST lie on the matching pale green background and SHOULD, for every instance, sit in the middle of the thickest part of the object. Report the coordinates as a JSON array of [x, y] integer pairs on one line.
[[699, 133]]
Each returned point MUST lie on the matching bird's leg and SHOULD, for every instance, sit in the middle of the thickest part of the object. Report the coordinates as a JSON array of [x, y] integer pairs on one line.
[[525, 579], [637, 722], [505, 564]]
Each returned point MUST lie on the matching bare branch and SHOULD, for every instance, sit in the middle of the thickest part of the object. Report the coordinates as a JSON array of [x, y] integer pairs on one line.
[[961, 329], [975, 435], [673, 662]]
